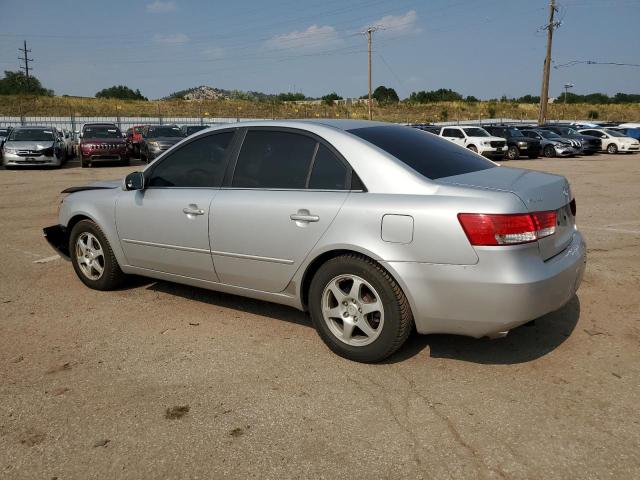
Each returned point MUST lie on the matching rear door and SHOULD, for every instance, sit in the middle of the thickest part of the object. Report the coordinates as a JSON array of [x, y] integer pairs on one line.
[[165, 227], [286, 188]]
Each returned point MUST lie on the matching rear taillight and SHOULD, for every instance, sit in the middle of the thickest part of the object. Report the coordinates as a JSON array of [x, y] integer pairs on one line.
[[507, 229]]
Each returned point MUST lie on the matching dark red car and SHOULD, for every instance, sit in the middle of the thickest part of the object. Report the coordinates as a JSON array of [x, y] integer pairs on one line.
[[102, 142]]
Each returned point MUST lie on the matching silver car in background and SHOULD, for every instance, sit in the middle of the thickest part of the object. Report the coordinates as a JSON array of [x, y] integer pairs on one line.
[[373, 228], [33, 146]]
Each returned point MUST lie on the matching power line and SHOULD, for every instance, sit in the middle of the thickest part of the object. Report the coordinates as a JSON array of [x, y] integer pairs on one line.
[[26, 59], [592, 62]]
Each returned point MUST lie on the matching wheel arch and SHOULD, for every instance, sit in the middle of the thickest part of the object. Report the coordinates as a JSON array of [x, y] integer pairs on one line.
[[314, 265]]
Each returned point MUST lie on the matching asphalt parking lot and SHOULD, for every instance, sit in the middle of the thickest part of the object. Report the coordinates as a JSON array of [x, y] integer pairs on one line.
[[93, 383]]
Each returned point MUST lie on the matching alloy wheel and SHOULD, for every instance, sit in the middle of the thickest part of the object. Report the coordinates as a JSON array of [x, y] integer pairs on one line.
[[90, 256], [353, 310]]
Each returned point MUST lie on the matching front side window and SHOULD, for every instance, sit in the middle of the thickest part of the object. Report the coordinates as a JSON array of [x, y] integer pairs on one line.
[[198, 164], [514, 132], [429, 155], [329, 172], [273, 159]]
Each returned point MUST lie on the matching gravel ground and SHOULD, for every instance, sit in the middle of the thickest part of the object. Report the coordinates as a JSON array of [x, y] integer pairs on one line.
[[158, 380]]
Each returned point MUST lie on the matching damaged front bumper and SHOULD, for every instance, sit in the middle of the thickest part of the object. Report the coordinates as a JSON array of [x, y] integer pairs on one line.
[[58, 238]]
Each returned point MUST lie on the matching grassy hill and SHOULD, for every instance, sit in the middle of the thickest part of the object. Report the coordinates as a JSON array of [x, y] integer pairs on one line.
[[403, 112]]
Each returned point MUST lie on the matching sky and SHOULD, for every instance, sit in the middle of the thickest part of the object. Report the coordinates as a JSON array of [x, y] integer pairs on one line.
[[485, 48]]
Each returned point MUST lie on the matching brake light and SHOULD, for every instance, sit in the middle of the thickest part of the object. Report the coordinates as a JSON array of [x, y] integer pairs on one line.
[[507, 229]]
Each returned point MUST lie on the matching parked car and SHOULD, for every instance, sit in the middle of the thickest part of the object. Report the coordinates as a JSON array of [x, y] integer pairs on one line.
[[100, 142], [35, 146], [613, 141], [629, 125], [191, 129], [427, 128], [373, 228], [156, 139], [133, 138], [552, 144], [67, 140], [590, 144], [475, 139], [628, 131], [4, 133], [517, 144]]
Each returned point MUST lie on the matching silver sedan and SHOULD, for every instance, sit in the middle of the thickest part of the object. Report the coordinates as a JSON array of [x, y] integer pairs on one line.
[[372, 228]]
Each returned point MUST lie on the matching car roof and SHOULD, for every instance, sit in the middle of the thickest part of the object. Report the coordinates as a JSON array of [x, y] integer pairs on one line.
[[30, 127]]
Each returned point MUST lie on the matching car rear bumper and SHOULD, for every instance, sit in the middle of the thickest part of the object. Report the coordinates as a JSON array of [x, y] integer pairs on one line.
[[505, 289]]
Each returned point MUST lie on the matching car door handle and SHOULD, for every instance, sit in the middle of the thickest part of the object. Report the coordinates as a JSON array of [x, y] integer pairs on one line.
[[192, 210], [304, 217]]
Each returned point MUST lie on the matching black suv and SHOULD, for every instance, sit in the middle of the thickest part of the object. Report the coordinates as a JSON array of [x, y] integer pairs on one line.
[[517, 144], [590, 144]]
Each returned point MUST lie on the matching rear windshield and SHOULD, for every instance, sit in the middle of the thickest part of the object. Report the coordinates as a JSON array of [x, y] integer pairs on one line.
[[31, 134], [429, 155]]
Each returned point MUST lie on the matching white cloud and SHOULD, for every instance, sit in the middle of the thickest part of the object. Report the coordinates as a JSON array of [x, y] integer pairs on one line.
[[171, 39], [213, 52], [313, 38], [161, 7], [399, 24]]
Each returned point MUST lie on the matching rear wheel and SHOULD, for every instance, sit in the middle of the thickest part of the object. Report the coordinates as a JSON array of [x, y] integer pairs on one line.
[[358, 309], [513, 153], [85, 163], [92, 257], [549, 151], [473, 148], [612, 148]]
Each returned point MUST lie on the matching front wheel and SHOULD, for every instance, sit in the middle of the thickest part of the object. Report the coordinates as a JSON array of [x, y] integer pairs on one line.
[[92, 257], [549, 151], [513, 153], [612, 148], [358, 309]]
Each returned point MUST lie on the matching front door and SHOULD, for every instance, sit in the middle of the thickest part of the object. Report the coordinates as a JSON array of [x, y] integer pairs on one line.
[[286, 190], [165, 227]]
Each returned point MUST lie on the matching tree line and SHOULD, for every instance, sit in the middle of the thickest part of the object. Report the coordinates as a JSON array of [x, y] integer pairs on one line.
[[16, 83]]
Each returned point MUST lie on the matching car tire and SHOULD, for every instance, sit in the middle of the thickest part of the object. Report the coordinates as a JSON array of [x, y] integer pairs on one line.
[[513, 153], [473, 148], [95, 264], [126, 162], [84, 163], [612, 148], [388, 323], [549, 151]]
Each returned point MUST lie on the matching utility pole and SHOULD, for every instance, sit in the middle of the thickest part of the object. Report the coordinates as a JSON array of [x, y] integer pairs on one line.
[[369, 32], [26, 59], [544, 94]]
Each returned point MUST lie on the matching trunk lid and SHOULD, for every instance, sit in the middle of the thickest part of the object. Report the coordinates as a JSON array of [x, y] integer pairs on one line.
[[537, 190]]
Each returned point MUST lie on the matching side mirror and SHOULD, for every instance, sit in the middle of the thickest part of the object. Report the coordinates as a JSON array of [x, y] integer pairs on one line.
[[134, 181]]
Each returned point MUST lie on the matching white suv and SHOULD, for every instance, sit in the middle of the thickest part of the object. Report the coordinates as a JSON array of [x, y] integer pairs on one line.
[[475, 139]]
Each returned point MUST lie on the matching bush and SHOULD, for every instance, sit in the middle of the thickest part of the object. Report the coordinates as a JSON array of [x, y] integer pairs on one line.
[[120, 92]]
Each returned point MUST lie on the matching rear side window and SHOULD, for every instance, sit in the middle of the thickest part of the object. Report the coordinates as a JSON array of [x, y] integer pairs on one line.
[[429, 155], [199, 164], [329, 173], [273, 159]]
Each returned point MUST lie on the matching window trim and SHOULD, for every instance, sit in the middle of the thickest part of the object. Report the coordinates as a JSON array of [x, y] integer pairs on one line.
[[148, 173], [227, 182]]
